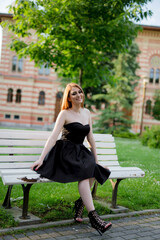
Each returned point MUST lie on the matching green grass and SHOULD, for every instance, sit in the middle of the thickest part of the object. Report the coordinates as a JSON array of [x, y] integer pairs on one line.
[[55, 201]]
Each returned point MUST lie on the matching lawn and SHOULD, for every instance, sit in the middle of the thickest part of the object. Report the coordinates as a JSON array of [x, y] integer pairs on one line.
[[55, 201]]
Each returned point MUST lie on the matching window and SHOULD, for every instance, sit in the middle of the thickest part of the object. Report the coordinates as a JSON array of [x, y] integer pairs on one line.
[[17, 64], [40, 119], [157, 76], [44, 69], [14, 63], [41, 99], [18, 96], [20, 65], [7, 116], [148, 107], [151, 77], [16, 117], [10, 95]]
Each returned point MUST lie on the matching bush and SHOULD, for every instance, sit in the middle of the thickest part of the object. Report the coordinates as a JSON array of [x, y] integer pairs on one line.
[[125, 134], [151, 137]]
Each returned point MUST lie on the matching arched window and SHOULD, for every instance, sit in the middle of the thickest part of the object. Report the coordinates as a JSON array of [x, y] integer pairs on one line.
[[151, 77], [18, 96], [157, 76], [14, 63], [41, 99], [17, 64], [148, 107], [10, 95]]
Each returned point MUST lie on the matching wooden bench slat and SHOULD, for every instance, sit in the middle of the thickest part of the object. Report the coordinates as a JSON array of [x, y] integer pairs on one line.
[[24, 131], [109, 163], [15, 165], [11, 180], [20, 150], [105, 145], [22, 143], [16, 171], [16, 150], [14, 158], [127, 174], [103, 137], [25, 135], [106, 151], [107, 157]]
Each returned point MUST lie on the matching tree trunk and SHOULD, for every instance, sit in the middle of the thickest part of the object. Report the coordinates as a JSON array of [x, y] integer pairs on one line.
[[80, 76]]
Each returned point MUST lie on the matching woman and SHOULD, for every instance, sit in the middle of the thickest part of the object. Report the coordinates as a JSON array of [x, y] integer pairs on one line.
[[68, 160]]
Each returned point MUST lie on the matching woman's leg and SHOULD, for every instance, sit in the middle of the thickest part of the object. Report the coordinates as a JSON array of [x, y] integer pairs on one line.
[[85, 193]]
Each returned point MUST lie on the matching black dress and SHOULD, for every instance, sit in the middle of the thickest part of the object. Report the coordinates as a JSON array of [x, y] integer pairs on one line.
[[69, 160]]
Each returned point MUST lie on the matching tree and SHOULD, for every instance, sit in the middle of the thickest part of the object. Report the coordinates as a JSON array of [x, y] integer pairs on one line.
[[156, 107], [77, 36], [119, 98]]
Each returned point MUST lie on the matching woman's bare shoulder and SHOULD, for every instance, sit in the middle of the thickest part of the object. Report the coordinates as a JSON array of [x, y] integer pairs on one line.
[[62, 114], [86, 110]]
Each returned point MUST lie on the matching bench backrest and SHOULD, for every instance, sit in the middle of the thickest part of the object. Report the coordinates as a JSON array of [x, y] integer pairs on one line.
[[20, 148]]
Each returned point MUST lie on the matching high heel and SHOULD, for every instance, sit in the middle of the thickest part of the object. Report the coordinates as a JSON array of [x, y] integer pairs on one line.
[[78, 207], [97, 223]]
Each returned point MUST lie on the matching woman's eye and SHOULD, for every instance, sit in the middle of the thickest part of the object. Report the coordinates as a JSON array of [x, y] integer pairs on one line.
[[80, 91]]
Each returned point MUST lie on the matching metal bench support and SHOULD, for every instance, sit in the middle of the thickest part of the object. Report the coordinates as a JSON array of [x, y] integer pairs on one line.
[[7, 201], [26, 190], [114, 191]]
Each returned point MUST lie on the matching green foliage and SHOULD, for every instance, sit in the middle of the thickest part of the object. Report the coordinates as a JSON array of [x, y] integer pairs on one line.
[[112, 120], [125, 134], [75, 37], [119, 97], [151, 137], [156, 107], [6, 220]]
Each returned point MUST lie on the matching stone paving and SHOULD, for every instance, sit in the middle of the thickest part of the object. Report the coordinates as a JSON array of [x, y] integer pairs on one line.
[[144, 227]]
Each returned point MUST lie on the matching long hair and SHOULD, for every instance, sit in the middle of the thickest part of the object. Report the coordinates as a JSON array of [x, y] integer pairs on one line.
[[66, 104]]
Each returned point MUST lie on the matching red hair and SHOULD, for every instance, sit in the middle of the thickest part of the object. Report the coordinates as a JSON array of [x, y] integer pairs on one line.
[[66, 104]]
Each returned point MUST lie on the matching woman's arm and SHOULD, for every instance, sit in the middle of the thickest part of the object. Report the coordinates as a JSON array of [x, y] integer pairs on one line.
[[91, 140], [51, 140]]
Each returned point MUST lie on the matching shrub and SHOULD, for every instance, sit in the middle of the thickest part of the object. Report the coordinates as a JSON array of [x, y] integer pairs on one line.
[[151, 137], [125, 134]]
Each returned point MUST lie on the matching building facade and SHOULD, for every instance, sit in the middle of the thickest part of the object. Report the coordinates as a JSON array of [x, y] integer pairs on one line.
[[148, 41], [30, 96]]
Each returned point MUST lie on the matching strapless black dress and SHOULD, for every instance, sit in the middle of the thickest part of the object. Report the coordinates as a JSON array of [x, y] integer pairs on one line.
[[69, 160]]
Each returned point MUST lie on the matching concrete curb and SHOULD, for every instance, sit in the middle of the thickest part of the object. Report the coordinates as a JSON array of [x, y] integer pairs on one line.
[[71, 221]]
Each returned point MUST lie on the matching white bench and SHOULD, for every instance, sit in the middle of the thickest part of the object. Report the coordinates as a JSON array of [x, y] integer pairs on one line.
[[20, 148]]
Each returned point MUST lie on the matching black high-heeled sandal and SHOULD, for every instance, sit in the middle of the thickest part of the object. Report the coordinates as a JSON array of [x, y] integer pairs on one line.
[[97, 223], [78, 207]]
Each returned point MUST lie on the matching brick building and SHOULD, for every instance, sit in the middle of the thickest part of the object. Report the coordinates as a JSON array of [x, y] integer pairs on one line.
[[149, 60], [30, 96]]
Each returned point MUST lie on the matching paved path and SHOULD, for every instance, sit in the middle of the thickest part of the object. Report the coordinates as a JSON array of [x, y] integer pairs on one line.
[[145, 227]]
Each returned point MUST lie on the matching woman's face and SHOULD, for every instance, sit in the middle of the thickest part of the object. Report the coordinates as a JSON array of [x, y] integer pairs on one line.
[[76, 95]]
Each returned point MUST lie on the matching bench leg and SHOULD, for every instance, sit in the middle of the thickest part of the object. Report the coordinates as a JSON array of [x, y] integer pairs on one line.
[[7, 201], [114, 191], [26, 190], [94, 190]]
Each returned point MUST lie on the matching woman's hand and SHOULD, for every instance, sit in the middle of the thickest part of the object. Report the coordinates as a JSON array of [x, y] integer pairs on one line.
[[36, 164]]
